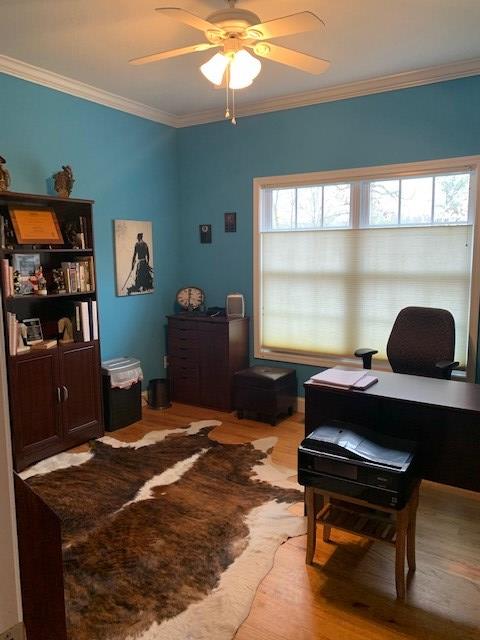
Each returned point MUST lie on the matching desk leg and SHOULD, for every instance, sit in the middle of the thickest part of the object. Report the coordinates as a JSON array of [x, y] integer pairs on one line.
[[311, 524], [411, 531], [326, 527], [400, 544]]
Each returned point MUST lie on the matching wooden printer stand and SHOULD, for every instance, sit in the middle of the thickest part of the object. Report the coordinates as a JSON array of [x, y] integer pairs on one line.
[[378, 523]]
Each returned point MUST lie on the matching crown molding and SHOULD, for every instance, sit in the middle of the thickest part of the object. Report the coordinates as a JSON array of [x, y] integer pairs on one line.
[[52, 80], [404, 80]]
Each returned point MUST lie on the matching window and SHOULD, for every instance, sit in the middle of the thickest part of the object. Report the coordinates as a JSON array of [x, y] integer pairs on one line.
[[339, 254]]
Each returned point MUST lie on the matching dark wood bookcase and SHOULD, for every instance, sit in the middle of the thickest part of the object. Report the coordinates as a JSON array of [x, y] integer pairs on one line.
[[55, 394]]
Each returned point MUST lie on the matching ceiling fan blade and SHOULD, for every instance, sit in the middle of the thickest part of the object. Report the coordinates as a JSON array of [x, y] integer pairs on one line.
[[189, 18], [296, 23], [173, 53], [292, 58]]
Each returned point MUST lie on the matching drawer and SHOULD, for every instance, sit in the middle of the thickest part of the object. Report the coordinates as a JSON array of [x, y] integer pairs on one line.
[[182, 325], [184, 367]]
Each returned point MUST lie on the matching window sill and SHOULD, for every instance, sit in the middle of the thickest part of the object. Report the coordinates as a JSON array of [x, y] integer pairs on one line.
[[337, 361]]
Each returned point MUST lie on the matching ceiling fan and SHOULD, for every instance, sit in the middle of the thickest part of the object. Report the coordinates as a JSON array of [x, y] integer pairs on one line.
[[234, 31]]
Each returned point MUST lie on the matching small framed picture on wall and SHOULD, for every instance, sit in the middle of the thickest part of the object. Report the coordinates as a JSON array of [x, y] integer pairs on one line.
[[205, 233]]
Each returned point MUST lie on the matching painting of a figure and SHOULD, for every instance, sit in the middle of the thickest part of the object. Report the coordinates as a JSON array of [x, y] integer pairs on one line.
[[134, 257]]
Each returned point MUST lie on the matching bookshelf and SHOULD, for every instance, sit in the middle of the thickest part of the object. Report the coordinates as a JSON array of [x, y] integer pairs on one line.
[[54, 393]]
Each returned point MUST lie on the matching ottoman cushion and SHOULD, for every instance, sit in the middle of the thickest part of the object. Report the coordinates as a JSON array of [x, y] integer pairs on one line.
[[264, 377]]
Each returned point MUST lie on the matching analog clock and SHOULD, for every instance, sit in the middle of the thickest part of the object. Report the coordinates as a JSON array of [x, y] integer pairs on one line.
[[190, 298]]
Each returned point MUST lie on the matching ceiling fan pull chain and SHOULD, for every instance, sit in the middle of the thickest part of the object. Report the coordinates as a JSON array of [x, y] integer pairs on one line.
[[234, 115], [227, 111]]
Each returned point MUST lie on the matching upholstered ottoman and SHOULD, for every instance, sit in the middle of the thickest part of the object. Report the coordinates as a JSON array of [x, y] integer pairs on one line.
[[266, 391]]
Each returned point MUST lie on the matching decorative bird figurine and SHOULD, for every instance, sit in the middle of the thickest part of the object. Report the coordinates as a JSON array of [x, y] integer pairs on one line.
[[4, 175], [64, 181]]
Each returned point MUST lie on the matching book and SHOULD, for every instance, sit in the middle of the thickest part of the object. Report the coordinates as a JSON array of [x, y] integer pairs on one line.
[[77, 323], [5, 267], [344, 378], [45, 344], [94, 319], [85, 321]]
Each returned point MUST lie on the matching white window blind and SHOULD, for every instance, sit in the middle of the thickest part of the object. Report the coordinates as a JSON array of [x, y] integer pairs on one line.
[[328, 289]]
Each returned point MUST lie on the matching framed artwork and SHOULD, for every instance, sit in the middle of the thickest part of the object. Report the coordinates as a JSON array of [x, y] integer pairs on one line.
[[230, 222], [34, 330], [133, 257], [34, 225], [205, 233]]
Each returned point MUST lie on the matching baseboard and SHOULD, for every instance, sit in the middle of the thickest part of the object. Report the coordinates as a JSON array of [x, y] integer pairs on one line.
[[14, 633], [301, 404]]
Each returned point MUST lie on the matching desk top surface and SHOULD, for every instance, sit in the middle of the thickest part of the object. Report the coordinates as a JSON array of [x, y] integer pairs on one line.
[[463, 396]]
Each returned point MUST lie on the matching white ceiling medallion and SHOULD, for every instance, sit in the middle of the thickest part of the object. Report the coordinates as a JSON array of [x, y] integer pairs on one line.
[[441, 73]]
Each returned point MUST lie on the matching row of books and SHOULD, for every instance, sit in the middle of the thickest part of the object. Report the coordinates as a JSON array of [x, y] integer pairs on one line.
[[7, 277], [84, 325], [79, 276]]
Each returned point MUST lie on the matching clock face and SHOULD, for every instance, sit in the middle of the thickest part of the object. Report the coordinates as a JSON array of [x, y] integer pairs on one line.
[[190, 298]]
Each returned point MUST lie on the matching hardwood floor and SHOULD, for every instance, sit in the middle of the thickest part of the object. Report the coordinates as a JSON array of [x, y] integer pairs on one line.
[[349, 594]]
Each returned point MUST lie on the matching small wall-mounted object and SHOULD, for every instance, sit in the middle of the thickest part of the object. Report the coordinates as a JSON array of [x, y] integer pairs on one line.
[[230, 221], [205, 233], [235, 305]]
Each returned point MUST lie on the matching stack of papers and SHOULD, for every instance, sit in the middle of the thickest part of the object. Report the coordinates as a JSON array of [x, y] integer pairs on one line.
[[344, 378]]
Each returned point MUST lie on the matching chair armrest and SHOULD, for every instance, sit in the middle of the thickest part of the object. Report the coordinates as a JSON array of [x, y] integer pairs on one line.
[[446, 367], [366, 355]]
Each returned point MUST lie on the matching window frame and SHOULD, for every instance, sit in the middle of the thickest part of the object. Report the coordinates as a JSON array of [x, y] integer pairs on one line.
[[358, 192]]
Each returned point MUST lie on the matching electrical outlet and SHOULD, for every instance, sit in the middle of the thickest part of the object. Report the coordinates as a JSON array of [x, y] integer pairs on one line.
[[15, 633]]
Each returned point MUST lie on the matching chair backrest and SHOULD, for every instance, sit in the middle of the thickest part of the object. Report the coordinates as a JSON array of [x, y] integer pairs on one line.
[[421, 337]]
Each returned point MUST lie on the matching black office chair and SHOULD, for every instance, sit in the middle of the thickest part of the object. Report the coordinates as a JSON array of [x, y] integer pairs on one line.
[[421, 343]]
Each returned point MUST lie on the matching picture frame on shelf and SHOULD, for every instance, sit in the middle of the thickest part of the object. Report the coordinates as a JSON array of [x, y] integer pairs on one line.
[[25, 266], [35, 225], [34, 331]]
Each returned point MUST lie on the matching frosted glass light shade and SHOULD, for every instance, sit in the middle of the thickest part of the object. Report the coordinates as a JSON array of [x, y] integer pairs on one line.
[[244, 68], [214, 69]]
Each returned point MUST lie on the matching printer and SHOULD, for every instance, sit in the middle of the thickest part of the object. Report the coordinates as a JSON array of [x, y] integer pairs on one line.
[[355, 461]]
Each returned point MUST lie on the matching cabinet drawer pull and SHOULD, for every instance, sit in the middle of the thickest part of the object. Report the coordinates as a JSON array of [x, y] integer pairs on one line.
[[59, 395], [65, 393]]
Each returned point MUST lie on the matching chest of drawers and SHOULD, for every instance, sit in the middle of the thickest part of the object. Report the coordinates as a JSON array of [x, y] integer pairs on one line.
[[203, 355]]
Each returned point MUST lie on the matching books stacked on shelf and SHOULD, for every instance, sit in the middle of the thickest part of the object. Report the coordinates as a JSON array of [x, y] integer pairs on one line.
[[344, 378], [79, 276], [7, 278], [85, 321]]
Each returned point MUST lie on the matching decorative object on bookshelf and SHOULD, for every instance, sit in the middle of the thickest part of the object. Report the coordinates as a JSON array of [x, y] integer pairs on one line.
[[34, 330], [74, 233], [58, 281], [35, 225], [22, 346], [4, 175], [133, 257], [64, 181], [65, 330]]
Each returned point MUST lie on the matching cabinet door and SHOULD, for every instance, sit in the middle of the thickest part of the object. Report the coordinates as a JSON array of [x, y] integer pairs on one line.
[[80, 382], [214, 373], [34, 407]]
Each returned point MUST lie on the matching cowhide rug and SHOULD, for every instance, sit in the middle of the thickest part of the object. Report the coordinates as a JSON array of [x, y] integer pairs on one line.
[[166, 538]]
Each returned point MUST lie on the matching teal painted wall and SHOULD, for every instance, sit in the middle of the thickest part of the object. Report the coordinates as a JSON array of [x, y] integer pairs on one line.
[[136, 169], [217, 164], [128, 166]]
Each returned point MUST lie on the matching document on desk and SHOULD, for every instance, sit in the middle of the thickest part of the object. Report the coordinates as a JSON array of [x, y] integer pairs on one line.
[[344, 378]]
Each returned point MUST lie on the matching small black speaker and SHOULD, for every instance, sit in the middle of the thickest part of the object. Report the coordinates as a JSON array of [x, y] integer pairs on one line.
[[235, 305]]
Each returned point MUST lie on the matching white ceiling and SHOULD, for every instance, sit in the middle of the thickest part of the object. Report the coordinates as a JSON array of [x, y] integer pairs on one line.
[[92, 41]]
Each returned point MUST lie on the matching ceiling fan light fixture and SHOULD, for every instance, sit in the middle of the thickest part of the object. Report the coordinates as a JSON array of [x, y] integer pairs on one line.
[[214, 69], [244, 68]]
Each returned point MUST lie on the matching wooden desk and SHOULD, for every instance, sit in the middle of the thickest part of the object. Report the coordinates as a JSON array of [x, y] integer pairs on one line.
[[442, 415]]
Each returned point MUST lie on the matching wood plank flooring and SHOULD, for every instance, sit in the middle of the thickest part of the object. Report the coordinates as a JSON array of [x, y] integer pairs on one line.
[[349, 594]]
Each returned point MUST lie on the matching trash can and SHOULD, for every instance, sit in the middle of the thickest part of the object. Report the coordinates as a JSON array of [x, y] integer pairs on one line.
[[122, 392], [158, 393]]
